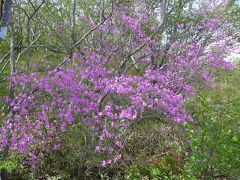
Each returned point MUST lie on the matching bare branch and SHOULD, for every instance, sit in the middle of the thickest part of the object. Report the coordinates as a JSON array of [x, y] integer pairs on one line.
[[19, 55], [83, 38]]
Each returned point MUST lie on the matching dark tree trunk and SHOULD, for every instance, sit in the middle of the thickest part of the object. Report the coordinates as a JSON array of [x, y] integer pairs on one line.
[[6, 13], [1, 8], [4, 174]]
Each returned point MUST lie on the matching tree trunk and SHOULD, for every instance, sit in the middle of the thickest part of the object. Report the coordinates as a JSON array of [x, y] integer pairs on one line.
[[4, 172], [73, 22], [7, 7]]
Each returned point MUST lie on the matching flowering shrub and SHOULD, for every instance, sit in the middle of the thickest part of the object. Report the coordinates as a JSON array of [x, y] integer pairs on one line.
[[126, 71]]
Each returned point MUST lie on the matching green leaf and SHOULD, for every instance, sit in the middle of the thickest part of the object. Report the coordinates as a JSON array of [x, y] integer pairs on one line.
[[235, 139]]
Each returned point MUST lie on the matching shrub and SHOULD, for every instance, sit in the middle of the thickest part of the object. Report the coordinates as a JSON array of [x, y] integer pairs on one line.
[[215, 134]]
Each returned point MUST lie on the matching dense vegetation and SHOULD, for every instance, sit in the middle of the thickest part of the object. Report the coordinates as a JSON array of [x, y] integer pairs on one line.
[[120, 90], [157, 148]]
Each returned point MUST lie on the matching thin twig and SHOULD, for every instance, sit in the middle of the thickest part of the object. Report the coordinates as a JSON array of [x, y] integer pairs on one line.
[[27, 48], [82, 39]]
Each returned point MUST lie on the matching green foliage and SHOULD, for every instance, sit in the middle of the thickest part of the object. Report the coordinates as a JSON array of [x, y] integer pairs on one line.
[[166, 168], [12, 163], [214, 136], [9, 164]]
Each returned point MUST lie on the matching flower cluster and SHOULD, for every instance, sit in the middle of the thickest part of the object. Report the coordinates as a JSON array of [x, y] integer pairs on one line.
[[112, 83]]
